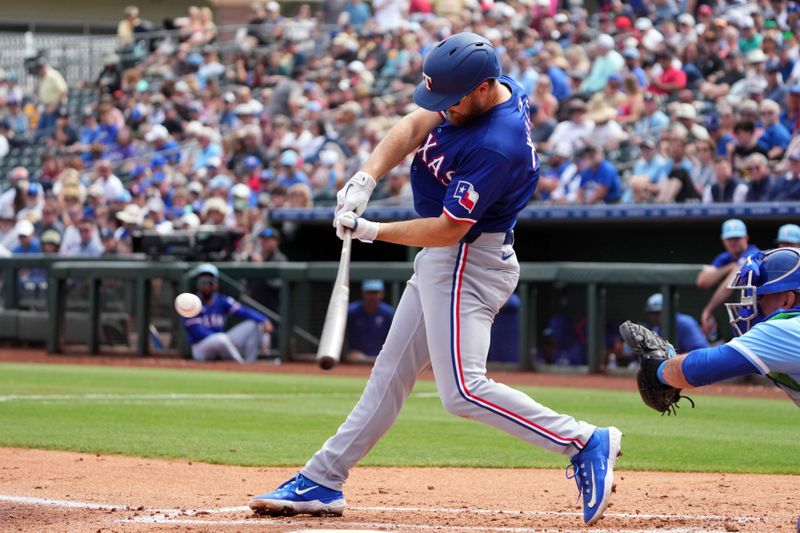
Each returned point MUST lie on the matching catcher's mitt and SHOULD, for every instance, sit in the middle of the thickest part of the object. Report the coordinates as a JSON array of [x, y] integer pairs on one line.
[[651, 350]]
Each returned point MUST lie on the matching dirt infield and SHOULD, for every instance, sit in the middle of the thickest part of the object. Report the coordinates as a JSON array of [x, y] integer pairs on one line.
[[59, 491], [62, 491]]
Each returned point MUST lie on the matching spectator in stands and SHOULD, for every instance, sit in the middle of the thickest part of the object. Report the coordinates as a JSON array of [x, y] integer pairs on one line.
[[50, 241], [128, 25], [759, 181], [368, 321], [726, 188], [600, 182], [206, 331], [686, 115], [631, 108], [724, 266], [676, 150], [606, 63], [678, 188], [110, 78], [161, 142], [26, 234], [49, 220], [746, 143], [654, 121], [82, 239], [18, 123], [688, 335], [787, 186], [776, 137], [559, 181], [672, 79], [53, 92], [702, 158], [790, 117], [574, 131], [108, 240], [649, 172], [112, 186], [788, 236], [775, 89]]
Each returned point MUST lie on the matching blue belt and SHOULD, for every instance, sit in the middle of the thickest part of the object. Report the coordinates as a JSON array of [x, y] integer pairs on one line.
[[469, 239]]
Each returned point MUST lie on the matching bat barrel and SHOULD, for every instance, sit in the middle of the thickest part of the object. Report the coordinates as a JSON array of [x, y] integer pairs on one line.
[[332, 338]]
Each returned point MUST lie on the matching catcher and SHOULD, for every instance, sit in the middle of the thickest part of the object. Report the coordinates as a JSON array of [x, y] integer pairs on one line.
[[766, 322]]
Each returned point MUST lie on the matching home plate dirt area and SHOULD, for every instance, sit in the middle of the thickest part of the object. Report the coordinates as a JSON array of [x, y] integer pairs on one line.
[[56, 491]]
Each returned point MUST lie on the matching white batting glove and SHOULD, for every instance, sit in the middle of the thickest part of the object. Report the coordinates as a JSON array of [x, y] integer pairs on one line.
[[364, 230], [355, 194]]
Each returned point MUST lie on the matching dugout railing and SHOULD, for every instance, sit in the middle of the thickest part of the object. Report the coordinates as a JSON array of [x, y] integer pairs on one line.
[[136, 284]]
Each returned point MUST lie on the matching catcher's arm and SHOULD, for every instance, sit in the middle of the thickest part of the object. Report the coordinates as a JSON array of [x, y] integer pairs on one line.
[[652, 350]]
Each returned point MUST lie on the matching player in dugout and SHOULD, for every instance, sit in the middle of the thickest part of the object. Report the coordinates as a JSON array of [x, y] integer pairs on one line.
[[206, 331]]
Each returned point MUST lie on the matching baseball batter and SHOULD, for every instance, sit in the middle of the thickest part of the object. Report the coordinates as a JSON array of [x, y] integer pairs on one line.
[[474, 169]]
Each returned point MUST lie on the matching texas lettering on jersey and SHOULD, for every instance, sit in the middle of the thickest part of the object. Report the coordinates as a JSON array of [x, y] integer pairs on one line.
[[435, 162]]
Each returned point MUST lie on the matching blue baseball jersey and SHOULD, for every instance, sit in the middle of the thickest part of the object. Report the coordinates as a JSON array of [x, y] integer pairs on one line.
[[366, 332], [725, 258], [482, 173], [772, 347], [214, 315]]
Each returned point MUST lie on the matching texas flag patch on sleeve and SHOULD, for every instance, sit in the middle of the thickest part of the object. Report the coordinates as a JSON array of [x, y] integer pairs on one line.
[[467, 195]]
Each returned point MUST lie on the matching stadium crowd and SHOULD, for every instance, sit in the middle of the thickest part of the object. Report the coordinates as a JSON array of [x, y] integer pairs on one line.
[[644, 101]]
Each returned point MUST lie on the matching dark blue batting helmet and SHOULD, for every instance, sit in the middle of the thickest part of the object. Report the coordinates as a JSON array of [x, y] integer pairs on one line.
[[453, 68]]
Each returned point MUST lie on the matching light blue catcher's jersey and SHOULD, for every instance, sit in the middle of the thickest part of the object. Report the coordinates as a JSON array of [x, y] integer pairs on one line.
[[773, 347]]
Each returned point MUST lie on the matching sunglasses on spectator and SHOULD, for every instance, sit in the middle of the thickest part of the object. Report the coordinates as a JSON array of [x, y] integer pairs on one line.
[[206, 282]]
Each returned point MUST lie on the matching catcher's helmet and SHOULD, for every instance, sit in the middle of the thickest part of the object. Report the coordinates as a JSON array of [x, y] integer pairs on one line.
[[767, 272], [453, 68]]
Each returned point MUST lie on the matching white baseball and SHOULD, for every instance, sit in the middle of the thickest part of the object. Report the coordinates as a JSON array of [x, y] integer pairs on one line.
[[188, 305]]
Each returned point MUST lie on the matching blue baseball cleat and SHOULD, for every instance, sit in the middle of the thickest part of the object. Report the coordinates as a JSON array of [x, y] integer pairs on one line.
[[299, 495], [593, 471]]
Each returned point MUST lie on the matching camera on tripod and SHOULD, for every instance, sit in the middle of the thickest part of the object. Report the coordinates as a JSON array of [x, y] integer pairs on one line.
[[205, 243]]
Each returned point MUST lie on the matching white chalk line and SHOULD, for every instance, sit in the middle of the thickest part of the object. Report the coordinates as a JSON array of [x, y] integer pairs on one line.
[[123, 398], [171, 515], [401, 527]]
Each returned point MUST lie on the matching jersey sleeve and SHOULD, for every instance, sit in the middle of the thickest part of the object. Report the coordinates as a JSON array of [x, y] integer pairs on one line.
[[721, 260], [477, 184], [771, 346]]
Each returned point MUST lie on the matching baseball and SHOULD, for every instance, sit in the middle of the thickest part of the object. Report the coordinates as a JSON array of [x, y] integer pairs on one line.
[[188, 305]]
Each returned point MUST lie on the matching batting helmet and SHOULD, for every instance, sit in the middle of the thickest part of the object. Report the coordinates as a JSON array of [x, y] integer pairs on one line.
[[453, 68], [767, 272]]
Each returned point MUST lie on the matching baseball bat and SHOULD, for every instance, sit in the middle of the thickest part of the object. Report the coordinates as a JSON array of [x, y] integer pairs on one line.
[[332, 338]]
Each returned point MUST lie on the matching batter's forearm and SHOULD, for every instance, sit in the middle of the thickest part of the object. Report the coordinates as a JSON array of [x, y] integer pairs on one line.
[[423, 232], [403, 138]]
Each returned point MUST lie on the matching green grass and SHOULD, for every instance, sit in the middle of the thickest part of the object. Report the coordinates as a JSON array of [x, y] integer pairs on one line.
[[293, 415]]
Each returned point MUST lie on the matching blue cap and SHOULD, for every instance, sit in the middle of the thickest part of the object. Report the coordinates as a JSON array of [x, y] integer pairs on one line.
[[220, 181], [251, 162], [789, 233], [207, 268], [712, 122], [369, 285], [655, 303], [268, 233], [137, 171], [106, 233], [266, 175], [159, 177], [289, 158], [34, 188], [194, 59], [733, 229], [123, 197], [615, 77], [453, 68], [88, 212], [158, 161]]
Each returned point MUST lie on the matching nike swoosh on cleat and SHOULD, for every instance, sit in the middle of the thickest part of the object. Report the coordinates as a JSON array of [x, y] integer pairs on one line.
[[594, 490], [506, 256], [300, 492]]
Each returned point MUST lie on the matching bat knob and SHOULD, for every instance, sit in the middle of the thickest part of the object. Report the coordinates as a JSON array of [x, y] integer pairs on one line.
[[327, 362]]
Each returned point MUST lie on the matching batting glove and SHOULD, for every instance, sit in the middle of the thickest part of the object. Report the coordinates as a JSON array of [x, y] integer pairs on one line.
[[355, 194], [364, 230]]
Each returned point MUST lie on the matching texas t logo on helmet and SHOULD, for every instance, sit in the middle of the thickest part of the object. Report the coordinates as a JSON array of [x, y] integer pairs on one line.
[[428, 81]]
